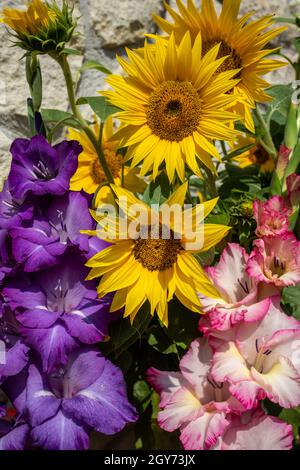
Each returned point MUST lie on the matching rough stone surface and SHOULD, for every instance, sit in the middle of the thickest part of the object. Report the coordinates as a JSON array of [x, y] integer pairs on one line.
[[107, 27]]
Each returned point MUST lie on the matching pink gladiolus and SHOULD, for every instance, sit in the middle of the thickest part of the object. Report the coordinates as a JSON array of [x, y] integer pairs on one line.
[[261, 360], [272, 217], [275, 260], [256, 431], [192, 401], [238, 291]]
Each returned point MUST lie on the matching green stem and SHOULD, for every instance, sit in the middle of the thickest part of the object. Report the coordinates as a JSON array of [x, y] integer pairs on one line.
[[212, 183], [224, 149], [64, 64], [269, 144]]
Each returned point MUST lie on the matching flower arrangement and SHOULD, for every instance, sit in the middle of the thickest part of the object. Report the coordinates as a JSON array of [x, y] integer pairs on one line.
[[149, 251]]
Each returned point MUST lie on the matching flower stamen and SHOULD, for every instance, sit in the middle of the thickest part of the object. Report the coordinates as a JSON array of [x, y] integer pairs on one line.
[[174, 110]]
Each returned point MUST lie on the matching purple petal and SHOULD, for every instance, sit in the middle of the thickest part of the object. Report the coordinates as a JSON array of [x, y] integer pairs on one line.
[[42, 404], [103, 405], [69, 214], [80, 368], [15, 361], [38, 318], [16, 438], [15, 389], [12, 212], [78, 328], [19, 293], [61, 433], [41, 169], [53, 344]]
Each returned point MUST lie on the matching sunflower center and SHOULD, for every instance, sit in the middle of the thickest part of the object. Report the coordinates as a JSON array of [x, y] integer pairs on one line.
[[233, 60], [174, 110], [260, 156], [157, 254], [114, 162]]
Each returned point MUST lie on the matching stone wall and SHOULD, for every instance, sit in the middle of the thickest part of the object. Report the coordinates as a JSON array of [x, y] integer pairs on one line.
[[107, 27]]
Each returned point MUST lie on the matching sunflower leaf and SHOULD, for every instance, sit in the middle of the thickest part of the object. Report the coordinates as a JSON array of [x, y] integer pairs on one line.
[[99, 105], [94, 65], [279, 107], [55, 115]]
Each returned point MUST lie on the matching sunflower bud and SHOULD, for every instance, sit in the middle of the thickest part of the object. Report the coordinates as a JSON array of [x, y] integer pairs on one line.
[[42, 28]]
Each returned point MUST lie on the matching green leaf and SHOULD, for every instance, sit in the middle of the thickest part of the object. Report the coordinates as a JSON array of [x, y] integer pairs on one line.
[[55, 115], [99, 105], [239, 151], [292, 416], [291, 300], [183, 324], [31, 116], [34, 79], [123, 334], [71, 52], [94, 65], [279, 107], [282, 19], [157, 191], [142, 392], [220, 219], [294, 161], [159, 341]]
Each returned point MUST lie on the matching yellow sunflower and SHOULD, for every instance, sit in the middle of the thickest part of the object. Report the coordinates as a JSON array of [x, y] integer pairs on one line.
[[151, 265], [37, 16], [255, 155], [90, 175], [242, 42], [172, 105]]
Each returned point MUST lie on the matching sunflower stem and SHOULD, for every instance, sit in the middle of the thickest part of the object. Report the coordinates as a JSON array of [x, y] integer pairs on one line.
[[211, 183], [224, 149], [64, 64], [267, 143]]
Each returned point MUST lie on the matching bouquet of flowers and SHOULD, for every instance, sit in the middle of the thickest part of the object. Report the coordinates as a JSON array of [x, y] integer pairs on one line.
[[149, 247]]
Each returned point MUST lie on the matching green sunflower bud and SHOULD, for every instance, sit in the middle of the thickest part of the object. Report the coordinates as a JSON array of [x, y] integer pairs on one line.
[[42, 28]]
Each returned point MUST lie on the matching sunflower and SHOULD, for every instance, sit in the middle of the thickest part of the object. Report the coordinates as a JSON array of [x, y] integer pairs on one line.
[[151, 265], [256, 154], [90, 175], [172, 105], [242, 43], [42, 27]]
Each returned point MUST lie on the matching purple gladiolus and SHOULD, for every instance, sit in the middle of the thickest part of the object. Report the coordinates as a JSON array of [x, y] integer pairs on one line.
[[42, 242], [58, 309], [38, 168], [88, 393], [6, 262], [68, 214], [36, 247], [12, 211], [13, 350], [14, 434]]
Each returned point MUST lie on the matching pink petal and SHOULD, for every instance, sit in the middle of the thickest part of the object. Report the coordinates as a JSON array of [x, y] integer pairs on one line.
[[195, 366], [203, 433], [181, 408], [261, 432], [281, 383]]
